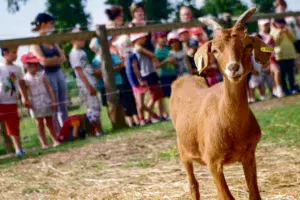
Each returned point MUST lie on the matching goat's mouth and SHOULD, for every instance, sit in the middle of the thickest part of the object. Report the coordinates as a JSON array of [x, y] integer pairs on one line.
[[235, 77]]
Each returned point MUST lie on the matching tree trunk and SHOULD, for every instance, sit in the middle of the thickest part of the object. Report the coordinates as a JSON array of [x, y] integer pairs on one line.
[[115, 110], [5, 139]]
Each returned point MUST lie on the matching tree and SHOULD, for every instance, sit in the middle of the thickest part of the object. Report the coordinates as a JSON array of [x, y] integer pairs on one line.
[[14, 5], [265, 6], [125, 4], [216, 7], [157, 10]]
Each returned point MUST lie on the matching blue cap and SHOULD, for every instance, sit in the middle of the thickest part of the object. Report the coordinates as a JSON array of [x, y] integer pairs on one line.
[[3, 50], [42, 18], [109, 38]]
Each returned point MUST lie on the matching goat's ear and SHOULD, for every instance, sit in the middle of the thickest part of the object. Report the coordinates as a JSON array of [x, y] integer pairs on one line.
[[262, 51], [202, 56]]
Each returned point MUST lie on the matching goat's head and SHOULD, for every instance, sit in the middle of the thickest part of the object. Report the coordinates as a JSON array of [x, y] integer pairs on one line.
[[232, 49]]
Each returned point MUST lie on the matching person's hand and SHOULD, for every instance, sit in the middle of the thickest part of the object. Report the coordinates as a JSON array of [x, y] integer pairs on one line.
[[254, 72], [27, 103], [172, 60], [143, 83], [92, 91], [54, 105]]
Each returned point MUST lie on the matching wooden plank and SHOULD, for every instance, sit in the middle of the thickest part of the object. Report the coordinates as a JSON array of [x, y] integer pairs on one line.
[[86, 35]]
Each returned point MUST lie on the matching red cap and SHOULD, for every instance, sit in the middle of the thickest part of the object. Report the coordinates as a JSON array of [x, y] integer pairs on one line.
[[29, 58], [196, 30]]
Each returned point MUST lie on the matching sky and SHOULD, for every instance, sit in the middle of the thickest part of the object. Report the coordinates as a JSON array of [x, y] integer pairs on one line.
[[18, 24]]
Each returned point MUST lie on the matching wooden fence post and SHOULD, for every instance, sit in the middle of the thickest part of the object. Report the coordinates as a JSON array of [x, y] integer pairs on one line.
[[115, 110]]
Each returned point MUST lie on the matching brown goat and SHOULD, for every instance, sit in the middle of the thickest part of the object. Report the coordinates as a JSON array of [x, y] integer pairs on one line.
[[215, 126]]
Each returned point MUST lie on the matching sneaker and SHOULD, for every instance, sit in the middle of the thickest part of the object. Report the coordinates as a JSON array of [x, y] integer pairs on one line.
[[262, 98], [279, 92], [20, 152], [154, 120], [142, 123], [251, 100], [101, 133]]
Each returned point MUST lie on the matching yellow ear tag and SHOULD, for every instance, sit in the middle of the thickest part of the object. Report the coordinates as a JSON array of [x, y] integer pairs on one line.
[[199, 66], [267, 49]]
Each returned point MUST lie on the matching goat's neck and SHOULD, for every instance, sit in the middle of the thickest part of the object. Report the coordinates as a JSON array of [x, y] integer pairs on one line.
[[234, 101]]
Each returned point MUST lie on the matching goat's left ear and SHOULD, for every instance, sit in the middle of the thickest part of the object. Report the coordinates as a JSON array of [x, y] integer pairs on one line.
[[262, 51], [202, 56]]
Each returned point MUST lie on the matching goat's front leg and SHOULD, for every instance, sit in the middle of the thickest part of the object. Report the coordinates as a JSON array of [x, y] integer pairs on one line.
[[194, 185], [219, 179], [249, 166]]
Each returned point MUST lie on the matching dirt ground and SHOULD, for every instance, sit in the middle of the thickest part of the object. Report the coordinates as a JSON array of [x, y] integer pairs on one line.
[[143, 166]]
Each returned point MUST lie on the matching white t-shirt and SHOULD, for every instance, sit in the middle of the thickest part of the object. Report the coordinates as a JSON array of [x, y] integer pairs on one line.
[[180, 63], [9, 83], [78, 58]]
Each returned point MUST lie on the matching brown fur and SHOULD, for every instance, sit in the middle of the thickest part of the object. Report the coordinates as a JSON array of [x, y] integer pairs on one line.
[[215, 126]]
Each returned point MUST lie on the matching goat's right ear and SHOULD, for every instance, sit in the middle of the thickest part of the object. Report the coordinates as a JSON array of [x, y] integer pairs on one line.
[[202, 56]]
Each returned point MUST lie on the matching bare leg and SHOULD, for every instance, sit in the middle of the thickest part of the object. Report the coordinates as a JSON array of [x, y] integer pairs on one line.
[[194, 185], [17, 142], [41, 132], [136, 119], [219, 179], [50, 126], [129, 121], [249, 166]]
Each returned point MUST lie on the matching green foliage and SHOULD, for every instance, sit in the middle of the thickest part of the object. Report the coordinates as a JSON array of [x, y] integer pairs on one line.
[[157, 10], [264, 6], [216, 7], [125, 4]]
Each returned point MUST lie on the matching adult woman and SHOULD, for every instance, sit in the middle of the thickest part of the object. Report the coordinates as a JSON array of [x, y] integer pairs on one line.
[[51, 56], [137, 11]]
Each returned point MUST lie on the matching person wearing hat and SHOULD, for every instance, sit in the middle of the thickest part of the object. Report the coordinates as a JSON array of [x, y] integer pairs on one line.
[[86, 82], [51, 56], [285, 54], [182, 65], [41, 97], [143, 78], [271, 74], [11, 85]]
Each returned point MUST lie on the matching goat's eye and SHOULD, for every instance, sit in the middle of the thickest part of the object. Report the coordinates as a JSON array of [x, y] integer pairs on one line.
[[214, 51], [248, 46]]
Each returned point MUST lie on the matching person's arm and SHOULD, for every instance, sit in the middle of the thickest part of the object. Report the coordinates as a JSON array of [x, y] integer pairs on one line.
[[75, 131], [146, 52], [50, 92], [62, 55], [24, 94], [46, 62], [85, 81], [170, 60], [137, 72], [188, 64], [290, 35], [119, 67]]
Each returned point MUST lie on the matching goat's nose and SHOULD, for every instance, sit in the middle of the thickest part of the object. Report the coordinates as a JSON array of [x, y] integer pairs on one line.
[[234, 67]]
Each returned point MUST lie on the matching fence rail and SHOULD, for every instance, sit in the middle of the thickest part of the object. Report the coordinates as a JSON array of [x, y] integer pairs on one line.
[[85, 35]]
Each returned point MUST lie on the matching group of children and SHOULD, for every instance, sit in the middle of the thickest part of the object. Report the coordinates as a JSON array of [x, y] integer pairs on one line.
[[138, 71]]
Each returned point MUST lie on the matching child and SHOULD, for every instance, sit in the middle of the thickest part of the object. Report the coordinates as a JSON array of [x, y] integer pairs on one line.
[[167, 71], [183, 64], [142, 77], [86, 83], [76, 126], [11, 81], [285, 54], [126, 97], [256, 81], [41, 97]]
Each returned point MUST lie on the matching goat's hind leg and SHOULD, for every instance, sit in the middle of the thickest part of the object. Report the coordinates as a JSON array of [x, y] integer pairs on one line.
[[194, 185], [249, 166]]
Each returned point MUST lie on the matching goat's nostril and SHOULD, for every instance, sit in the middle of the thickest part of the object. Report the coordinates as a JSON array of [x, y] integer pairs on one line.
[[233, 68]]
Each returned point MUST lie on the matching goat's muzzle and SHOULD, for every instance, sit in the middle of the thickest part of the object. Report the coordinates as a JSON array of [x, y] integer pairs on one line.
[[234, 70]]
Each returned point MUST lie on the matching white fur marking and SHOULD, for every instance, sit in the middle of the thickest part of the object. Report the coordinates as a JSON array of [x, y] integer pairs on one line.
[[230, 73]]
